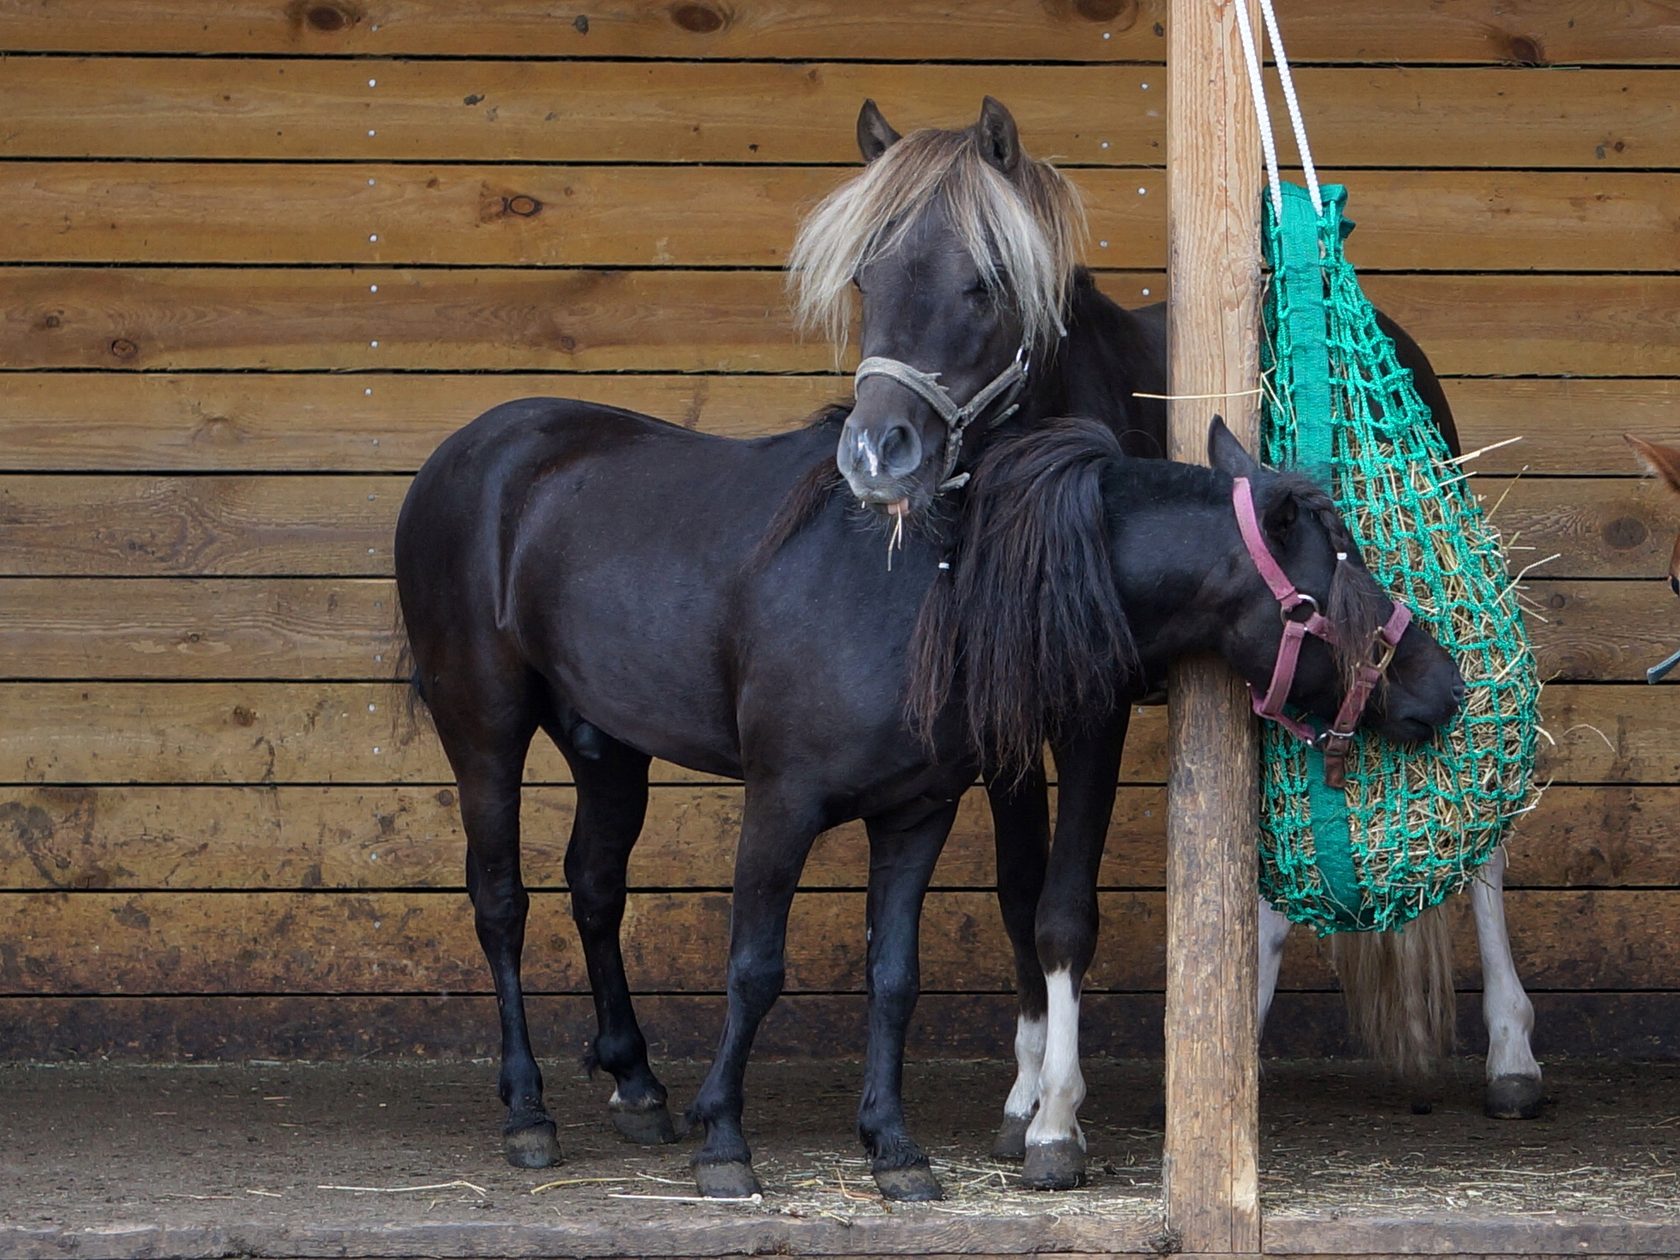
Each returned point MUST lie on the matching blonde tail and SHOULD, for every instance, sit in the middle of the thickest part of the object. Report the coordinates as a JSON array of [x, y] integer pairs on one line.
[[1399, 992]]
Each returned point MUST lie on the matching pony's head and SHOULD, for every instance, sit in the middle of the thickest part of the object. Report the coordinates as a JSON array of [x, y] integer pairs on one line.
[[1421, 687], [1664, 461], [962, 250], [1080, 574]]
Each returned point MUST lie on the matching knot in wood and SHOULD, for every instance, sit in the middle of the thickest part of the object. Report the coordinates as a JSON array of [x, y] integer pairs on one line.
[[123, 348], [1121, 13], [522, 205], [699, 19], [330, 17]]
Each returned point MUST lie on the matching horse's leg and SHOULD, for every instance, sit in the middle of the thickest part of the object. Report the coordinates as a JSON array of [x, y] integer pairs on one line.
[[612, 793], [488, 764], [1021, 831], [1067, 941], [901, 861], [1513, 1077], [776, 837], [1274, 931]]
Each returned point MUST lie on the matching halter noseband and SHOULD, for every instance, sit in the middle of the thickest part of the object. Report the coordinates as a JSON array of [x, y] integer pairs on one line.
[[1003, 388], [1337, 740]]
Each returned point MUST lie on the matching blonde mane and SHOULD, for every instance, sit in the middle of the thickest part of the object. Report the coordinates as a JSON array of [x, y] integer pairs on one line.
[[1025, 231]]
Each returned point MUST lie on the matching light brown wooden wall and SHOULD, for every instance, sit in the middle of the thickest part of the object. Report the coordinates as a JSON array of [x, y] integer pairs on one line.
[[258, 257]]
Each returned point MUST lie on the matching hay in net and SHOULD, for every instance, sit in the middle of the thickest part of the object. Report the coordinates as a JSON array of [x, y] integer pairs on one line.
[[1416, 822]]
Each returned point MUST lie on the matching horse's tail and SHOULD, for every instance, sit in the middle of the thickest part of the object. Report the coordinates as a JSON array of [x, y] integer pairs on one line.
[[1399, 992], [405, 668]]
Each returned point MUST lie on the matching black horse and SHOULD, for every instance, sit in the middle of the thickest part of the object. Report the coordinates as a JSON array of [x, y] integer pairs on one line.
[[629, 588], [962, 252]]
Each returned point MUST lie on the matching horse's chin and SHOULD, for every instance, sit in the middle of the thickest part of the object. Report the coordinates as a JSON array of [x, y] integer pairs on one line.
[[1405, 730]]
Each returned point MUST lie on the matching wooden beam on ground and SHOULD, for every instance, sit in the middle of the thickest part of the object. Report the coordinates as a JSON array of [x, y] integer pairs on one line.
[[1210, 1163]]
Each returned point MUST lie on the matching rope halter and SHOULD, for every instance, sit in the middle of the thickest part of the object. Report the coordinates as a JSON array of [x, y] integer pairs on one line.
[[1003, 388], [1301, 617]]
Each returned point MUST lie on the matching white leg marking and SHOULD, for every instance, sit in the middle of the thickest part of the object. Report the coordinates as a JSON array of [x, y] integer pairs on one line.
[[1029, 1059], [1508, 1013], [1274, 930], [1061, 1088]]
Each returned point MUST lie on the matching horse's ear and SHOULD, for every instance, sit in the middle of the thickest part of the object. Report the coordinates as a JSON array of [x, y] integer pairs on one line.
[[875, 135], [1226, 453], [1662, 460], [1281, 515], [1000, 142]]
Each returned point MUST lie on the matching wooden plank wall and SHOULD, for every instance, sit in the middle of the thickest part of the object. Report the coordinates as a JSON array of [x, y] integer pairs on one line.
[[259, 256]]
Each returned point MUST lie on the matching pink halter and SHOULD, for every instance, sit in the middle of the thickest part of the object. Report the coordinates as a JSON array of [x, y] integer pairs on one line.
[[1335, 742]]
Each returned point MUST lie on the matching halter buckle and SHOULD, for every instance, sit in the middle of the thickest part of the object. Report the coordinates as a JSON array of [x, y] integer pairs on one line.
[[1286, 611]]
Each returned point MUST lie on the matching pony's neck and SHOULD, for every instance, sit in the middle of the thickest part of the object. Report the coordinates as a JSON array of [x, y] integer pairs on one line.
[[1110, 354], [1175, 544]]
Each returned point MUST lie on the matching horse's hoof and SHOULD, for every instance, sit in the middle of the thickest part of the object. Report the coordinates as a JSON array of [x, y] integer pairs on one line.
[[1058, 1165], [1423, 1107], [914, 1183], [645, 1126], [533, 1146], [1011, 1140], [1513, 1097], [726, 1181]]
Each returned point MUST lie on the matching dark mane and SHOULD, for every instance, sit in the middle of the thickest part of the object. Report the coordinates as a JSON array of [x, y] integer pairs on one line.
[[808, 495], [1029, 623], [1356, 606]]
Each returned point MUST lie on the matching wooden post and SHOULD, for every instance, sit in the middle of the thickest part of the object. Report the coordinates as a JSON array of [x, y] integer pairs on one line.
[[1213, 234]]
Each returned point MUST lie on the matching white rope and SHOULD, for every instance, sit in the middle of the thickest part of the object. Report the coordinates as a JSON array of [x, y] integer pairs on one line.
[[1268, 142], [1257, 88], [1288, 82]]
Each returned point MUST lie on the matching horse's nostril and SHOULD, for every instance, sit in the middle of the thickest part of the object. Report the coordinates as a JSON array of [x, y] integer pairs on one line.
[[901, 449], [1459, 691]]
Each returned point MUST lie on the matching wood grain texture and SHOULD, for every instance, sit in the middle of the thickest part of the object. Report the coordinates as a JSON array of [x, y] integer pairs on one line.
[[395, 837], [187, 212], [1210, 1153], [184, 526], [1568, 32], [677, 942], [384, 422], [266, 732], [180, 839], [372, 422], [800, 1026], [340, 629], [773, 113], [700, 321]]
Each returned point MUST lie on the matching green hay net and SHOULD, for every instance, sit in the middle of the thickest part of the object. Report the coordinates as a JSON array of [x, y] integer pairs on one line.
[[1415, 822]]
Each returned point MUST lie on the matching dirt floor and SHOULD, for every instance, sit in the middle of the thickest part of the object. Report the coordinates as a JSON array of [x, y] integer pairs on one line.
[[398, 1159]]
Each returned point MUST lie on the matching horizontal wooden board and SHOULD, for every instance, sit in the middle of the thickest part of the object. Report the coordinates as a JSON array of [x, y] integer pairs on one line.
[[678, 1026], [340, 628], [139, 526], [524, 111], [396, 837], [383, 422], [138, 943], [373, 422], [186, 212], [390, 837], [1524, 31], [700, 321], [257, 732]]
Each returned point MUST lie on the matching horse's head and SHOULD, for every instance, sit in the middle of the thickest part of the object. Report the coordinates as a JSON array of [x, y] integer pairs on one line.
[[961, 248], [1665, 462], [1413, 683]]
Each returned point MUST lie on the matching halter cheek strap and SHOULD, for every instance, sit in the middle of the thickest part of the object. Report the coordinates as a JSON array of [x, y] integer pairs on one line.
[[1301, 617], [1002, 388]]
